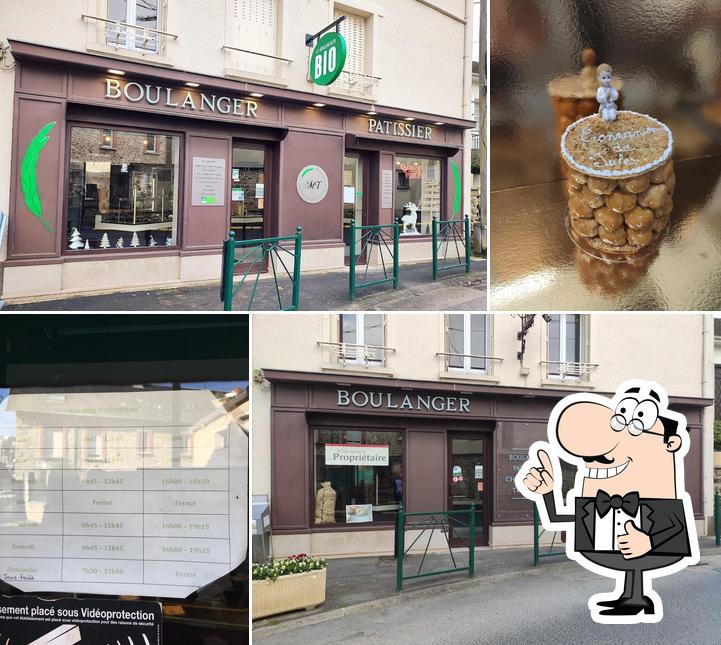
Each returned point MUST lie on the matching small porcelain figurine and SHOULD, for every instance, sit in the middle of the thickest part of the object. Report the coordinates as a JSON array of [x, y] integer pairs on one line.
[[410, 219], [607, 95]]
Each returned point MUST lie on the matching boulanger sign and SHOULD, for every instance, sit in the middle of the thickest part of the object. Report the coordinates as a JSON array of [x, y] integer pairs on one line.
[[392, 401], [182, 99], [353, 454], [400, 129], [312, 184]]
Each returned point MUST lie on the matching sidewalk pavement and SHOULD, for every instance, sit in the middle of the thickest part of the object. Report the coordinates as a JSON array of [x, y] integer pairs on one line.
[[356, 585], [322, 291]]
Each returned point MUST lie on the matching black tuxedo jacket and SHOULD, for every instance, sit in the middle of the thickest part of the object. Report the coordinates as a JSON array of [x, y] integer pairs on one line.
[[663, 519]]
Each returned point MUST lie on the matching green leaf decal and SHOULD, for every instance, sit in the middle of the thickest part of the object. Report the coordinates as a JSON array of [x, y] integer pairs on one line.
[[29, 176], [457, 179]]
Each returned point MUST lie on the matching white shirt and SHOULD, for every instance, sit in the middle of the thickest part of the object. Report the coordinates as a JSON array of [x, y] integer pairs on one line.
[[611, 526]]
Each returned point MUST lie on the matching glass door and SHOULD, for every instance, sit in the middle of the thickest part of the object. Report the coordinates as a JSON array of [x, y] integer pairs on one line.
[[354, 210], [247, 200], [467, 471]]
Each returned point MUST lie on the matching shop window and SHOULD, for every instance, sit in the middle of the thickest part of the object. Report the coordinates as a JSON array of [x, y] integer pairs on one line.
[[144, 14], [353, 29], [253, 27], [119, 197], [566, 347], [358, 476], [467, 342], [418, 193], [363, 338], [247, 214]]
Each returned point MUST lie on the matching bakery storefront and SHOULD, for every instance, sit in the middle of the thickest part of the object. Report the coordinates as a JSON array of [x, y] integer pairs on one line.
[[348, 451], [125, 175]]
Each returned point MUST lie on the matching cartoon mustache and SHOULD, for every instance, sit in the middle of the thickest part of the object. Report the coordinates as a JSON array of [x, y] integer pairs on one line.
[[602, 459]]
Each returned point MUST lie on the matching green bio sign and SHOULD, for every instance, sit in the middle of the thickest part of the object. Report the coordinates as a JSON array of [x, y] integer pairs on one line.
[[328, 58]]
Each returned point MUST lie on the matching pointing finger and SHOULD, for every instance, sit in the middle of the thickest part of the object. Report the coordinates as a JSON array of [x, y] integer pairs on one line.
[[545, 461]]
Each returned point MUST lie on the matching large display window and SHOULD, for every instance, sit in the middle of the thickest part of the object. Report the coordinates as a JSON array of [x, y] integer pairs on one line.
[[358, 476], [123, 189], [418, 194]]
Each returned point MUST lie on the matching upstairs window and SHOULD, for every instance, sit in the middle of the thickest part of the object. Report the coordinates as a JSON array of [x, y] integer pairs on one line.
[[144, 14], [353, 29], [467, 342], [253, 26], [363, 338], [566, 346]]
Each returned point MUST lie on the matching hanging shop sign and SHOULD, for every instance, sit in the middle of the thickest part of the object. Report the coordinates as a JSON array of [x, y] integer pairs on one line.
[[122, 493], [400, 129], [312, 184], [328, 58], [353, 454], [184, 99], [26, 619], [393, 401]]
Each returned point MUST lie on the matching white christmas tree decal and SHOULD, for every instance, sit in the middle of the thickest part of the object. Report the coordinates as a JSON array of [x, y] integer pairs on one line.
[[152, 242], [87, 244], [134, 242], [76, 241], [120, 244], [105, 241], [168, 241]]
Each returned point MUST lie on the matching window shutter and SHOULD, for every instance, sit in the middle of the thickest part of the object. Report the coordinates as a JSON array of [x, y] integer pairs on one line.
[[353, 29], [254, 27]]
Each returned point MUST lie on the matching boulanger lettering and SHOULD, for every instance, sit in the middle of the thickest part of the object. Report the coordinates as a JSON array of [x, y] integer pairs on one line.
[[183, 99], [389, 401], [400, 129]]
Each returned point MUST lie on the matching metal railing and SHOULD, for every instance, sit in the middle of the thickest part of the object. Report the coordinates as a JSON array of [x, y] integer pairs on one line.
[[254, 53], [475, 140], [448, 355], [442, 521], [129, 36], [353, 353], [538, 532], [255, 256], [568, 370], [451, 245], [376, 243], [355, 83]]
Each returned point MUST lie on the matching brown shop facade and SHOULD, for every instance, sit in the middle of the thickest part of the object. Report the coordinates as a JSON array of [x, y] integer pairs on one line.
[[346, 453]]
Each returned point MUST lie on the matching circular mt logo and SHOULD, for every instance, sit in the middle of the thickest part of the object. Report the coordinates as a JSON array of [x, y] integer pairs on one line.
[[312, 184]]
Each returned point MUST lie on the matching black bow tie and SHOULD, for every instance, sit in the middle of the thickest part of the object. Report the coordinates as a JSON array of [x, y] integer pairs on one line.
[[628, 503]]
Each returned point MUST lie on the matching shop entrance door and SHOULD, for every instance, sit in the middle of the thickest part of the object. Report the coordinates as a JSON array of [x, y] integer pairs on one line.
[[468, 474], [354, 199], [248, 192]]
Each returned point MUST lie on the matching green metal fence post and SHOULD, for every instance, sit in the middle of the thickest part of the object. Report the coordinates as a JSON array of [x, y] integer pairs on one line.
[[229, 256], [717, 516], [296, 268], [472, 544], [535, 536], [396, 233], [400, 548], [467, 230], [351, 283], [434, 238]]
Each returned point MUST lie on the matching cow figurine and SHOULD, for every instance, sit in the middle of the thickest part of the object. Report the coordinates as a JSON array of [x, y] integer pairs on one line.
[[410, 219]]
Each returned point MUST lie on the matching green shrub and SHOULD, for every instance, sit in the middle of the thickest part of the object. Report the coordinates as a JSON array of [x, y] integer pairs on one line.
[[300, 563], [717, 435], [476, 161]]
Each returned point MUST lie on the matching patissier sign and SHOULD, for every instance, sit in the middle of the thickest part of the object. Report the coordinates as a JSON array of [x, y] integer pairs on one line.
[[183, 99], [135, 493], [400, 129]]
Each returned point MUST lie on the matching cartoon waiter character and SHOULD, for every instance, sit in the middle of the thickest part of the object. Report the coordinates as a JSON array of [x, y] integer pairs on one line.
[[628, 515]]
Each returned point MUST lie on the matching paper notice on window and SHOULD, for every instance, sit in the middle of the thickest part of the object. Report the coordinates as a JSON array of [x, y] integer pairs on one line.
[[208, 182], [140, 493], [349, 194], [387, 189], [356, 513], [351, 454]]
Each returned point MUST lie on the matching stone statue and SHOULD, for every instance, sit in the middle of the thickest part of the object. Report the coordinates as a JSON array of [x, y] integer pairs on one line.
[[607, 95], [325, 504]]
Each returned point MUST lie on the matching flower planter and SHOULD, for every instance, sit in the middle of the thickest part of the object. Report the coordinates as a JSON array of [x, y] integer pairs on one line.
[[288, 593]]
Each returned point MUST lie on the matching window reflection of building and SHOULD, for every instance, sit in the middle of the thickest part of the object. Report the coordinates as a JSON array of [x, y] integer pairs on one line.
[[418, 181]]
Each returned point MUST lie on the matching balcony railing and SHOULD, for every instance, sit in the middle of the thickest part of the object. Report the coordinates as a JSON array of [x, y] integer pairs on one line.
[[489, 360], [356, 84], [240, 62], [353, 354], [475, 140], [568, 371], [124, 35]]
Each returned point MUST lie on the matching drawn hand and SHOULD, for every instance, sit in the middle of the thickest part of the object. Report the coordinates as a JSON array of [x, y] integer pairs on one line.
[[540, 479], [635, 543]]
